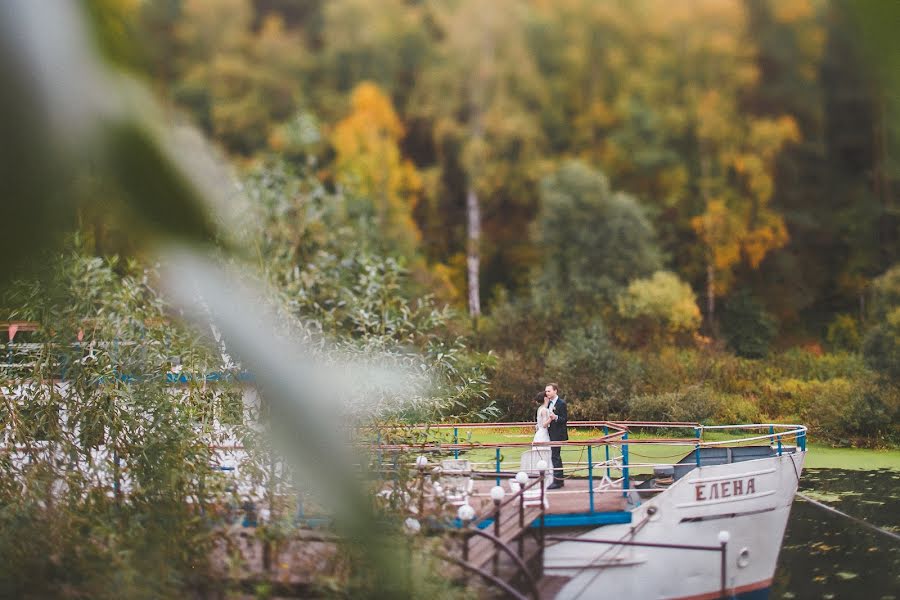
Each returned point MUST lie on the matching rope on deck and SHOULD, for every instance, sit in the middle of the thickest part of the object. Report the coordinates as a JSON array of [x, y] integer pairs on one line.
[[890, 534]]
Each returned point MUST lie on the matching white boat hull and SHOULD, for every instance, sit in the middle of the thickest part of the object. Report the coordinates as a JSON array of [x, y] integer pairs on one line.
[[750, 500]]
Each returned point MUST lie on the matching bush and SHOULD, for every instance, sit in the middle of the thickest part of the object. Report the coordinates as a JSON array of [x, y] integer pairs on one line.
[[700, 404], [590, 369], [736, 409], [843, 411], [659, 309], [882, 344], [790, 399], [523, 325], [749, 329], [882, 347], [807, 365], [514, 382], [885, 293]]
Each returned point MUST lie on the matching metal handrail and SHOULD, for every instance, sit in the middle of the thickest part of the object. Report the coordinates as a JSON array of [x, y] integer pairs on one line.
[[520, 563], [519, 496], [513, 592]]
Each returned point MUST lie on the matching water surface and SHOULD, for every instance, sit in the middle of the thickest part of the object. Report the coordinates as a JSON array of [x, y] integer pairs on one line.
[[826, 556]]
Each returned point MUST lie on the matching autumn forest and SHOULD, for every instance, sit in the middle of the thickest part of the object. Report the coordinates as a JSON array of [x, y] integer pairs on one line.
[[678, 210]]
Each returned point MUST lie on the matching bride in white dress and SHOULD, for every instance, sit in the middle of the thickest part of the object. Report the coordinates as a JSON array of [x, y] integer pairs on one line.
[[541, 433]]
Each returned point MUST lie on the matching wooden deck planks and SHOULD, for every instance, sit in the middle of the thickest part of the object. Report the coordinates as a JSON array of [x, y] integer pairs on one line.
[[571, 499]]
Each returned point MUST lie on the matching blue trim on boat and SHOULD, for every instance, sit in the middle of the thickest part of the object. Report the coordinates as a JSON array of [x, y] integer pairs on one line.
[[456, 523], [570, 520], [585, 519]]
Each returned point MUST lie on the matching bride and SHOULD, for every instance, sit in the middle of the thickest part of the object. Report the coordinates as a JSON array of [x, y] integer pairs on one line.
[[542, 434]]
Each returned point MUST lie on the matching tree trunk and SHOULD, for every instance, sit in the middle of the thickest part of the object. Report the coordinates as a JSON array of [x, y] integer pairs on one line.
[[710, 264], [473, 255]]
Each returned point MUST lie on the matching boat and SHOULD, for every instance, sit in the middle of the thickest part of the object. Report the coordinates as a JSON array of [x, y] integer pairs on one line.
[[708, 523], [715, 531]]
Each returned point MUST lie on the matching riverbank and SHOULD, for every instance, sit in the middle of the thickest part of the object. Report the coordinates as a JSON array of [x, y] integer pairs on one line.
[[820, 456]]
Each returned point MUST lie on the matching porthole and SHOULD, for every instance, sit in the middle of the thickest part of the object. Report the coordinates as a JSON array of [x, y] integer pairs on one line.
[[743, 557]]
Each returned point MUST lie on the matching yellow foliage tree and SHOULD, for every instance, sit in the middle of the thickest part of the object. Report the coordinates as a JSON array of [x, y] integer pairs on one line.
[[737, 164], [369, 164]]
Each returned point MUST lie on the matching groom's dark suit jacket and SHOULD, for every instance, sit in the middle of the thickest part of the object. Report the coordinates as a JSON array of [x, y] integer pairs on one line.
[[558, 430]]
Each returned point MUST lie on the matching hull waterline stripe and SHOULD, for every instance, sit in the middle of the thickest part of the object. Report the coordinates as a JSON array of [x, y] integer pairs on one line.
[[760, 589]]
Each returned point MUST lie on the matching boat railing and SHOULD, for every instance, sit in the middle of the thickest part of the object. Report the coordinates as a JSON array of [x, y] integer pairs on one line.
[[617, 447]]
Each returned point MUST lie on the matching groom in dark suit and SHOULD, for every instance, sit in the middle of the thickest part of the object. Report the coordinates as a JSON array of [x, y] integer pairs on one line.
[[558, 433]]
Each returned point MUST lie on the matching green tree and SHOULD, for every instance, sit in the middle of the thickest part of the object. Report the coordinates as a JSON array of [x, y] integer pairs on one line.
[[748, 329], [238, 81], [881, 346], [593, 241]]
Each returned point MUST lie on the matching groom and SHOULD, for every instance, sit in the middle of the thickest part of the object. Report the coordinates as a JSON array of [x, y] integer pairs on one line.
[[558, 433]]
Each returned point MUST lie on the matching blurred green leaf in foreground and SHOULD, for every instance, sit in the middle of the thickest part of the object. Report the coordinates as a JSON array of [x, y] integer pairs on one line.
[[65, 113]]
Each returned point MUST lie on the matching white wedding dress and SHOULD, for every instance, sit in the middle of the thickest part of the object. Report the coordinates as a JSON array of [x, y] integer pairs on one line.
[[541, 434]]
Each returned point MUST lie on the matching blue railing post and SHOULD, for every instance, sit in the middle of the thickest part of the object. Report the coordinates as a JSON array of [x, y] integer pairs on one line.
[[456, 441], [606, 433], [591, 478], [697, 447], [779, 445], [626, 482], [801, 441], [498, 465]]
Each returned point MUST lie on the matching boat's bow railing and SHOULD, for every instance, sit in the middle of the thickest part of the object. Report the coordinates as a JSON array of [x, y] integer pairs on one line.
[[602, 451]]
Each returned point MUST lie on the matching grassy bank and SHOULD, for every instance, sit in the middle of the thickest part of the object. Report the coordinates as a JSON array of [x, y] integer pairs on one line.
[[819, 456]]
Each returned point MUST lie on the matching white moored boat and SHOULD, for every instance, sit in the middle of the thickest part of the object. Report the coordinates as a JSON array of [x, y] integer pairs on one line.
[[714, 532], [707, 526]]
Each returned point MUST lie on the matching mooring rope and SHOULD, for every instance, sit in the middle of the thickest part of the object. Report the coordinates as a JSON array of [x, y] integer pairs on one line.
[[890, 534]]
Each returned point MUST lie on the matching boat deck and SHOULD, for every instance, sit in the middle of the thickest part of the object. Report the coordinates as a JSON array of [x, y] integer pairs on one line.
[[571, 499]]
